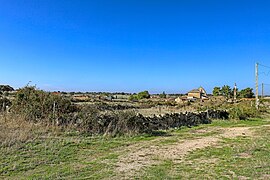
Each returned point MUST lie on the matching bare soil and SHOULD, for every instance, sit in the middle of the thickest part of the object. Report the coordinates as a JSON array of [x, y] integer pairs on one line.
[[143, 155]]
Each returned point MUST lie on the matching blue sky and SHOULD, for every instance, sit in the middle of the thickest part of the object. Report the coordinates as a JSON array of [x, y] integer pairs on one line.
[[134, 45]]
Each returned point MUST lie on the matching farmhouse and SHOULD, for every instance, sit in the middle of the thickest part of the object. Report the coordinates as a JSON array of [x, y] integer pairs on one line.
[[199, 93]]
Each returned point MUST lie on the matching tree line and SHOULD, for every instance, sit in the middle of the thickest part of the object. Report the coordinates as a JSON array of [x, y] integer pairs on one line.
[[228, 92]]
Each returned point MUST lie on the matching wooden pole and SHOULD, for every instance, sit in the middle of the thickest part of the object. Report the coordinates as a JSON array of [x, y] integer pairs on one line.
[[234, 92], [54, 121], [257, 86], [262, 90]]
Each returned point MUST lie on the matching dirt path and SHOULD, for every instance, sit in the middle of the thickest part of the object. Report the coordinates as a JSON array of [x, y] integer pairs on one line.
[[143, 155]]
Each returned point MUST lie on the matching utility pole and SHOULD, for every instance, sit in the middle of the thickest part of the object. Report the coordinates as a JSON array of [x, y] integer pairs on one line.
[[234, 93], [262, 90], [257, 86]]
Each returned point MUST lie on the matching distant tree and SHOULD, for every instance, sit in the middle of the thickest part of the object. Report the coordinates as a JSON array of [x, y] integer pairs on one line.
[[140, 95], [105, 94], [133, 97], [216, 91], [226, 91], [143, 95], [246, 93], [163, 95]]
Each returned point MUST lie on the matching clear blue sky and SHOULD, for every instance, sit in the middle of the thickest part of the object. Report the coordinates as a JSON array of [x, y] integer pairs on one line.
[[133, 45]]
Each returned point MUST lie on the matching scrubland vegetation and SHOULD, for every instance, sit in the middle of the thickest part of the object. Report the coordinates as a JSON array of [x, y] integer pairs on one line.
[[46, 136]]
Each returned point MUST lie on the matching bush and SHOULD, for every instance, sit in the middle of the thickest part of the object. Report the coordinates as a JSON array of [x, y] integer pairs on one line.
[[243, 112], [40, 106], [133, 97], [93, 121], [140, 95], [143, 95], [37, 105]]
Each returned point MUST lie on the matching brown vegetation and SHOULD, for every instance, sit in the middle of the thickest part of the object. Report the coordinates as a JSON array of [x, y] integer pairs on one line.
[[37, 106], [15, 130]]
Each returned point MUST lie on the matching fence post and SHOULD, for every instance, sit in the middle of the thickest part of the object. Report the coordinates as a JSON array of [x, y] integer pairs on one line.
[[54, 113]]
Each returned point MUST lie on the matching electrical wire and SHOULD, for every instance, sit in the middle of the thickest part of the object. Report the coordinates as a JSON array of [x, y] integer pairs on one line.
[[264, 65], [264, 73]]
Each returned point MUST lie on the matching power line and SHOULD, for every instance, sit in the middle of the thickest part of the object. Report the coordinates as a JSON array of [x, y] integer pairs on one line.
[[264, 65], [266, 84], [266, 74]]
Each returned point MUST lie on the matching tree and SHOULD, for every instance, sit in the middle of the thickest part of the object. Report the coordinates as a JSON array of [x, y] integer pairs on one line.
[[246, 93], [216, 91], [143, 95], [133, 97], [163, 95], [140, 95], [226, 91]]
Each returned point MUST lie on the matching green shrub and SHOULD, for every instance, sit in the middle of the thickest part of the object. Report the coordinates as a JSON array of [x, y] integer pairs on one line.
[[37, 105], [133, 97], [243, 112], [143, 95], [93, 121], [139, 96]]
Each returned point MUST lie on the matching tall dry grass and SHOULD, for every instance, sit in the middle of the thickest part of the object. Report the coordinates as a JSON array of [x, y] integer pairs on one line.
[[15, 130]]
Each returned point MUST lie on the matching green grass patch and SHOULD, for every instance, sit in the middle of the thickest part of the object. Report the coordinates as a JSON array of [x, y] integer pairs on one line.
[[239, 123], [66, 156], [75, 156], [241, 157], [160, 171]]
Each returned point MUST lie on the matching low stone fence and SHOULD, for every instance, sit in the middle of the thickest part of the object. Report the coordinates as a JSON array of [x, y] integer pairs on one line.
[[177, 120], [132, 123]]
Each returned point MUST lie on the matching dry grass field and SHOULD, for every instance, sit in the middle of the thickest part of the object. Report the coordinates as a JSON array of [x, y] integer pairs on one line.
[[107, 140], [221, 150]]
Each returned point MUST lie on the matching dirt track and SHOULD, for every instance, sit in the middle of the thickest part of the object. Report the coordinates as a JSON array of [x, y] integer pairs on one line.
[[144, 155]]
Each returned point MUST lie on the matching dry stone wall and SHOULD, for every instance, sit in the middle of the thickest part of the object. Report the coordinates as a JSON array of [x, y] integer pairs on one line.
[[131, 123]]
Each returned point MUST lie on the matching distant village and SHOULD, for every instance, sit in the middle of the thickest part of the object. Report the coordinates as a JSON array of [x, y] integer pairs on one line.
[[198, 94]]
